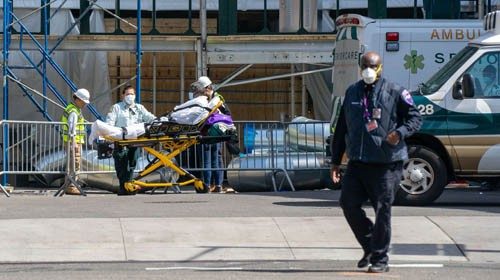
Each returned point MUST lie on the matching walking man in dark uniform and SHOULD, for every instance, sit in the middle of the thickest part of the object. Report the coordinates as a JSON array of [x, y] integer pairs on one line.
[[375, 118]]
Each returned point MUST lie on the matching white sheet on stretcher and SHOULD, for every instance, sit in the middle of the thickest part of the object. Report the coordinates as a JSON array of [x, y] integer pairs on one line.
[[102, 129], [185, 113], [193, 111]]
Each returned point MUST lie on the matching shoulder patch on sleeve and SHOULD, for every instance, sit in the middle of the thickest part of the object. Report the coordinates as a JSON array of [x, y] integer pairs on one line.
[[407, 97]]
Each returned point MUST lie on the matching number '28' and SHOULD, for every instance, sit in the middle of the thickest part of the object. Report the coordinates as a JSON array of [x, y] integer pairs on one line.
[[426, 109]]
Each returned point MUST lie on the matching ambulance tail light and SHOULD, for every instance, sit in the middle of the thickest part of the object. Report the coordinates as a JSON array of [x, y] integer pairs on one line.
[[392, 36], [347, 21], [392, 41]]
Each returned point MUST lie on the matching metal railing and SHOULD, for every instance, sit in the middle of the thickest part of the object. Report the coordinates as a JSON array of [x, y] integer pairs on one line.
[[185, 16], [280, 155], [155, 11]]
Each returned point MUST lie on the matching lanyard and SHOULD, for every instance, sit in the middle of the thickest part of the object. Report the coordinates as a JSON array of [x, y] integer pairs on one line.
[[366, 114], [375, 100]]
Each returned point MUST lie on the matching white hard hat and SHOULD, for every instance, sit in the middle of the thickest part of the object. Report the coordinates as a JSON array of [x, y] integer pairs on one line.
[[204, 81], [83, 95]]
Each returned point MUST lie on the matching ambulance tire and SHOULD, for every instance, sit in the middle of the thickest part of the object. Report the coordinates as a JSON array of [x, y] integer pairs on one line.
[[425, 166]]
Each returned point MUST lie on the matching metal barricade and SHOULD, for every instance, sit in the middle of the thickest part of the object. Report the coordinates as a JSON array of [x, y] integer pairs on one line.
[[252, 144], [28, 140], [273, 156], [292, 153]]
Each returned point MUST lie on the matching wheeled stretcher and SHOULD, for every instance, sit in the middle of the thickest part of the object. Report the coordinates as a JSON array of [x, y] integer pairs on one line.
[[164, 140]]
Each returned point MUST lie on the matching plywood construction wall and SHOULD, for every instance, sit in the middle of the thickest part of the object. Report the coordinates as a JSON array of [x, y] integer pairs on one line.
[[268, 100]]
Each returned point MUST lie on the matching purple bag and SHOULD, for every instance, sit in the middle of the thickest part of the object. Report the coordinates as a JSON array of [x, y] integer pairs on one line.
[[217, 117]]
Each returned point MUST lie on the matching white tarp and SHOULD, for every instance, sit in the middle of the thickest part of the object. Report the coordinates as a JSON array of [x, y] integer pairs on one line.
[[85, 68], [321, 95]]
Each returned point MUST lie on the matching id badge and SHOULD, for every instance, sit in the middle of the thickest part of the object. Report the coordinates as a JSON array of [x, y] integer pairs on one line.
[[376, 112], [371, 125]]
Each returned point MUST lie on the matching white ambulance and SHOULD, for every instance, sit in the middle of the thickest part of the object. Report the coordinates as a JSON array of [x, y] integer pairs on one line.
[[460, 104], [411, 49]]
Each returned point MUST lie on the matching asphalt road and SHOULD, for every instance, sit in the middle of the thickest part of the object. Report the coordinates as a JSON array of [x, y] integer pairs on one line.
[[34, 204], [241, 270]]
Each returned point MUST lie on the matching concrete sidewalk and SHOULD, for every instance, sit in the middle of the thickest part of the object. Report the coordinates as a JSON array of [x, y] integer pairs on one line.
[[415, 239]]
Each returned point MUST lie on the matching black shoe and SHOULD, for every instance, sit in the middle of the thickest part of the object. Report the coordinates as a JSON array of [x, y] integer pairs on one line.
[[125, 193], [378, 268], [364, 261]]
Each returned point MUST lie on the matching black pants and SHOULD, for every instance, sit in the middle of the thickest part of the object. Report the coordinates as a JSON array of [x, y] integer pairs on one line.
[[374, 182], [125, 162]]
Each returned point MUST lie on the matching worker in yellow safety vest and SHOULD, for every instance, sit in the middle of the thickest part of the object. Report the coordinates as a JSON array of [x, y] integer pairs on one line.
[[73, 132]]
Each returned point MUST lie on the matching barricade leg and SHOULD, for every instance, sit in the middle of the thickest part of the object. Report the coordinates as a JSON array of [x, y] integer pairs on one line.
[[73, 164], [4, 191], [69, 181], [172, 180], [175, 186], [287, 178]]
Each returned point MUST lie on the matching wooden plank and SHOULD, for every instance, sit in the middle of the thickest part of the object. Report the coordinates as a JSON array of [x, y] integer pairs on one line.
[[257, 101]]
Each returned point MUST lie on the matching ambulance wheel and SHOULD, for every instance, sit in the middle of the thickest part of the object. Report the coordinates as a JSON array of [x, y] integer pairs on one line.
[[424, 177]]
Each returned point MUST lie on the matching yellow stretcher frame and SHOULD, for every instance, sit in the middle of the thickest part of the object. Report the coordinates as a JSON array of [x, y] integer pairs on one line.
[[171, 147]]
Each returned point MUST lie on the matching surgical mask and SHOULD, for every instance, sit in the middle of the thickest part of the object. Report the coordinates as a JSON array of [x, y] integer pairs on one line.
[[369, 75], [129, 99]]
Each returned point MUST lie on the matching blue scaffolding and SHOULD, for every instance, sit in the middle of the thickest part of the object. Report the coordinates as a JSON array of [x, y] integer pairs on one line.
[[41, 67]]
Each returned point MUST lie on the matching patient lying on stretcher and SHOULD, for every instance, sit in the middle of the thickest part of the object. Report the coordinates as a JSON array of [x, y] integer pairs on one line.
[[190, 113]]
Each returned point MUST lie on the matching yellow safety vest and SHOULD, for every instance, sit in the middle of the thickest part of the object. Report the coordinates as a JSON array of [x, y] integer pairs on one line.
[[80, 127]]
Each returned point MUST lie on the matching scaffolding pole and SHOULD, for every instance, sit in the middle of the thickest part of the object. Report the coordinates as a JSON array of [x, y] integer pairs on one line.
[[203, 41], [138, 53], [46, 32], [7, 6]]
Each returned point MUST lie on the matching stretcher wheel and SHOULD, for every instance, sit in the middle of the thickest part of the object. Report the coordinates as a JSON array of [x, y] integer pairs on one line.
[[200, 187], [131, 187]]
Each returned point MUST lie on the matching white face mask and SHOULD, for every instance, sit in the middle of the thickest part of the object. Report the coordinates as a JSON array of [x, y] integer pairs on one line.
[[369, 75], [129, 99]]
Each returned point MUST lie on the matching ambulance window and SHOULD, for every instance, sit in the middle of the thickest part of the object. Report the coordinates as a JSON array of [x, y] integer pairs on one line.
[[437, 80], [486, 76]]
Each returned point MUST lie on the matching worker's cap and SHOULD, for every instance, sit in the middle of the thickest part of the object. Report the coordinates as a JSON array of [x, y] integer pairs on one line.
[[83, 95], [204, 81]]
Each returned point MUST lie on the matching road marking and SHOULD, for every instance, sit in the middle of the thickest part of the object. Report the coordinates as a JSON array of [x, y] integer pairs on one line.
[[193, 268], [409, 265], [419, 265]]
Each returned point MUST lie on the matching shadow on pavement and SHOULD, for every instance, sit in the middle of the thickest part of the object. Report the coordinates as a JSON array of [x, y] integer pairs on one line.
[[308, 203], [426, 249]]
